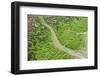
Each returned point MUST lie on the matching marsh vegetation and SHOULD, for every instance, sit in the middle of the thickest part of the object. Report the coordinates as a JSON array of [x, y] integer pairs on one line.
[[57, 37]]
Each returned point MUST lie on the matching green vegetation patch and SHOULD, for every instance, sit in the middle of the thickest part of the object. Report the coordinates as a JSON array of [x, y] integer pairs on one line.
[[40, 44]]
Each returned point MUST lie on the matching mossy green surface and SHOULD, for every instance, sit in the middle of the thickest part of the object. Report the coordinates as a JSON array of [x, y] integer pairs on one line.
[[40, 44]]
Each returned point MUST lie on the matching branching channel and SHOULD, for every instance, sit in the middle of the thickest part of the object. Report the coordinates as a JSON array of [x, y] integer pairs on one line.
[[57, 43]]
